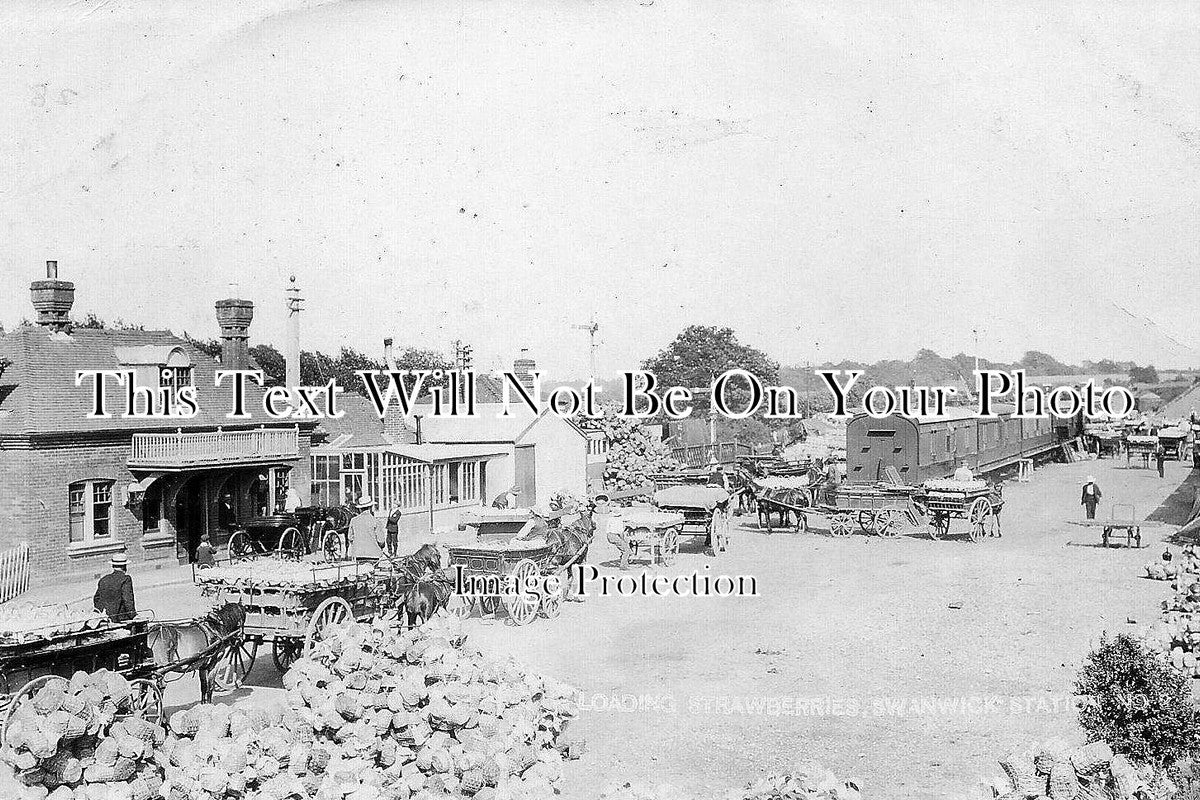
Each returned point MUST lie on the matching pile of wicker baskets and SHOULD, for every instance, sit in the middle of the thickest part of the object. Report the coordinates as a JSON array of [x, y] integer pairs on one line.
[[72, 742], [376, 713], [1059, 772]]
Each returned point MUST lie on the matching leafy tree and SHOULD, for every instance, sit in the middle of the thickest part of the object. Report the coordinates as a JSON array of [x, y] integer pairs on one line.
[[634, 453], [1143, 374], [1139, 704], [700, 353], [1038, 363], [271, 362], [210, 347]]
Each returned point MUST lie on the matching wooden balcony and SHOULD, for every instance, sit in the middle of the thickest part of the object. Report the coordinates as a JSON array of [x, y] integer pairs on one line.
[[180, 450]]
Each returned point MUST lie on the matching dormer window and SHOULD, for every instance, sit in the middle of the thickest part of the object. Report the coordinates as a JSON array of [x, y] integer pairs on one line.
[[175, 377]]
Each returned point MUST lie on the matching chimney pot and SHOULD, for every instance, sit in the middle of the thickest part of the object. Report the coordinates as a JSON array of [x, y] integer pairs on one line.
[[234, 317], [52, 299]]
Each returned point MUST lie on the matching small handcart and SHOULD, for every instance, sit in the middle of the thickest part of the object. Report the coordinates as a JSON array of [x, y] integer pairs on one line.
[[1122, 523], [653, 532], [292, 605]]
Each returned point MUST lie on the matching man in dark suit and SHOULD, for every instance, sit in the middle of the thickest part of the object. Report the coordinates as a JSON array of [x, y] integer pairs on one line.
[[114, 593], [1091, 497]]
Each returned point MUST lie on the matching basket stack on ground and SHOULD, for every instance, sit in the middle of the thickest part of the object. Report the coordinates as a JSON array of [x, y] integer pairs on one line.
[[1058, 771], [1177, 633], [70, 741], [376, 713], [805, 782]]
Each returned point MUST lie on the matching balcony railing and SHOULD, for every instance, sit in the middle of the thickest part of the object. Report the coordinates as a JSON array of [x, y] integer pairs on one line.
[[213, 448]]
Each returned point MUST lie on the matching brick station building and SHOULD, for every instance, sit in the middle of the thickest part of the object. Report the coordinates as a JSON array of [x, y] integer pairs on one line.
[[76, 489]]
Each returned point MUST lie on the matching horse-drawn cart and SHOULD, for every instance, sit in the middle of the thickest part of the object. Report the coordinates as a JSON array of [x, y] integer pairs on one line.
[[1142, 446], [31, 657], [883, 510], [516, 573], [977, 502], [653, 532], [308, 530], [292, 605], [705, 510]]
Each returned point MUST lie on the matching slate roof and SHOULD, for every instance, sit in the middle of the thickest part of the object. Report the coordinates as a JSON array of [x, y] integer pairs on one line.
[[38, 392]]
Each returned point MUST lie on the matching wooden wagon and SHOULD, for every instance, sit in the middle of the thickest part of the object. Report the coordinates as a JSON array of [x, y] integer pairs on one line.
[[33, 658], [883, 510], [309, 530], [294, 612], [1142, 446], [653, 532], [1174, 442], [976, 502], [512, 573], [705, 509]]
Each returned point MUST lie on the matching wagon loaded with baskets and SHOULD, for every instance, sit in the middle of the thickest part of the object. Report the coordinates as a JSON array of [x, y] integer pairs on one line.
[[41, 645], [705, 510], [977, 502], [653, 532], [292, 605]]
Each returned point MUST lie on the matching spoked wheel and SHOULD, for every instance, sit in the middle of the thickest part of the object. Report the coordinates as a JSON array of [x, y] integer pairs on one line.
[[888, 522], [669, 548], [240, 546], [841, 525], [146, 700], [332, 611], [290, 544], [460, 606], [284, 653], [25, 694], [939, 525], [522, 604], [331, 546], [231, 670], [978, 516], [552, 600]]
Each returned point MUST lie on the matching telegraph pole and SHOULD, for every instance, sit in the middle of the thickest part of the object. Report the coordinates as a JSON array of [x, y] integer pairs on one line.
[[292, 357], [591, 329]]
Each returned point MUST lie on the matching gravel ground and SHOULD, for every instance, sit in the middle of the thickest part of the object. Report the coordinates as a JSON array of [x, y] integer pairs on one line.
[[907, 665]]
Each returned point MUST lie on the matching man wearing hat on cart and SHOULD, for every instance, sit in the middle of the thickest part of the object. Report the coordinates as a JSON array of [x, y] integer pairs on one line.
[[365, 541], [114, 592]]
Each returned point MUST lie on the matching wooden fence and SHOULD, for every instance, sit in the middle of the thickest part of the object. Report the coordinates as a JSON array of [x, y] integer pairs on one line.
[[14, 572], [700, 455]]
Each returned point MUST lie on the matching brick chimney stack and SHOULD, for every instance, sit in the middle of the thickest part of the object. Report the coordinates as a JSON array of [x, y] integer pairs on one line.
[[523, 368], [234, 317], [53, 299]]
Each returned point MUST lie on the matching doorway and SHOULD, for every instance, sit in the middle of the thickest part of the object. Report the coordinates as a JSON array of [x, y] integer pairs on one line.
[[525, 475], [191, 519]]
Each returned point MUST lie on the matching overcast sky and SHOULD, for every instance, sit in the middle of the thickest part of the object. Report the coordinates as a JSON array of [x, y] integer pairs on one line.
[[831, 183]]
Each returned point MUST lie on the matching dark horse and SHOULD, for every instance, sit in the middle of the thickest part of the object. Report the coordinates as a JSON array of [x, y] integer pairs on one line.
[[784, 502], [423, 581], [189, 646]]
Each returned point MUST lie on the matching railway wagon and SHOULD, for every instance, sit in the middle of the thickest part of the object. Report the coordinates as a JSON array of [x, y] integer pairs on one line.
[[925, 447]]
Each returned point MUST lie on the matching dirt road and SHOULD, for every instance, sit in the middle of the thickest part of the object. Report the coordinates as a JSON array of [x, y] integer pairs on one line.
[[851, 654]]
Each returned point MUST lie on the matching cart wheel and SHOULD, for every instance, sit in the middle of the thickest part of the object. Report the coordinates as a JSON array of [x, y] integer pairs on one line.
[[25, 693], [939, 524], [841, 525], [552, 601], [284, 652], [290, 544], [146, 700], [669, 547], [887, 523], [459, 606], [521, 605], [866, 521], [332, 612], [240, 547], [977, 516], [331, 546], [231, 669]]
